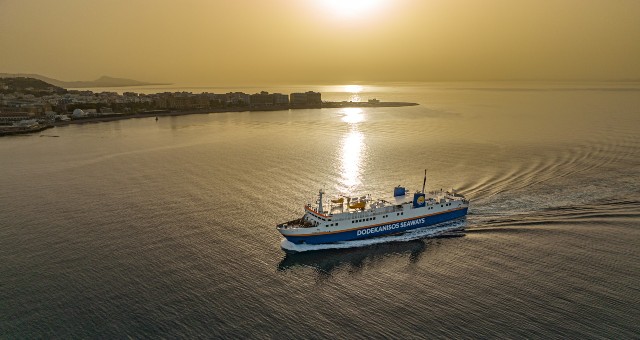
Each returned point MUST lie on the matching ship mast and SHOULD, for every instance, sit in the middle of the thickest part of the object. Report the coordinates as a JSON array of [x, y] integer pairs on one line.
[[320, 201], [424, 182]]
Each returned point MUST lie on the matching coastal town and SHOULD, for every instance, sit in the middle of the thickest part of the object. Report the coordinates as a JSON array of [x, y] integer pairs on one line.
[[30, 105]]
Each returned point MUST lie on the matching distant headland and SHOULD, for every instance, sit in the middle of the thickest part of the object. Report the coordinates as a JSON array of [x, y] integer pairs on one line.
[[30, 105], [104, 81]]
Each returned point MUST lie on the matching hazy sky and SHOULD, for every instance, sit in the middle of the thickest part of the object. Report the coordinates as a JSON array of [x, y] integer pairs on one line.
[[313, 41]]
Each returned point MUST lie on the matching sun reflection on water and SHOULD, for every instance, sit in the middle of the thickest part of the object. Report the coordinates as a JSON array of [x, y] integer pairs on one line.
[[352, 115], [353, 150], [354, 91]]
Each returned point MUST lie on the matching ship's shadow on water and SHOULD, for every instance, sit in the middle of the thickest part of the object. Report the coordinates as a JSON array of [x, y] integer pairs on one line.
[[327, 261]]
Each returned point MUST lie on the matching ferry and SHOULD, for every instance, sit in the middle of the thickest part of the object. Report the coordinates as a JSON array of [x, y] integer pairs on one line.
[[355, 218]]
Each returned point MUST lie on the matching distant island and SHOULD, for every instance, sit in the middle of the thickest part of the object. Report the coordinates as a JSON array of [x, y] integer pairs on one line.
[[29, 105], [103, 81]]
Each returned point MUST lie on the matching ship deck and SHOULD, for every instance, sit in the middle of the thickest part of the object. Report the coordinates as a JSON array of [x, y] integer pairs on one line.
[[375, 208]]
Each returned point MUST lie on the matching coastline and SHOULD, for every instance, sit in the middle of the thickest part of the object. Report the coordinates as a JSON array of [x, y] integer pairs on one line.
[[25, 131], [165, 113]]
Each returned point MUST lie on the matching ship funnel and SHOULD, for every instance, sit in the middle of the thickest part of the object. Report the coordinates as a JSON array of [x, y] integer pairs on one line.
[[418, 200]]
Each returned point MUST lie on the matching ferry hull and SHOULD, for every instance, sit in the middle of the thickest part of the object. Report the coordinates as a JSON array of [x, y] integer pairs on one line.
[[378, 230]]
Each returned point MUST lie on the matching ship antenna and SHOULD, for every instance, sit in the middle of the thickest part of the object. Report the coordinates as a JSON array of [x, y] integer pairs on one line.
[[424, 183], [320, 201]]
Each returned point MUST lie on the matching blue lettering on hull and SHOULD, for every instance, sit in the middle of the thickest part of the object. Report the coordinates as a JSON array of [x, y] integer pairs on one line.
[[381, 230]]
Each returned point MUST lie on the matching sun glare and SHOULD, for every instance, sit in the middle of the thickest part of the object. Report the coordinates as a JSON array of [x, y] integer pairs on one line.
[[352, 8], [353, 88]]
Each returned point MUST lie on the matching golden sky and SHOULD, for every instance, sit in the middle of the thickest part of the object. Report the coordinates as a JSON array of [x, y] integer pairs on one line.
[[321, 41]]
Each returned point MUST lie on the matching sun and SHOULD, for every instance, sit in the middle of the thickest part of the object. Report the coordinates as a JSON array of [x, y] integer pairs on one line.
[[353, 88], [352, 8]]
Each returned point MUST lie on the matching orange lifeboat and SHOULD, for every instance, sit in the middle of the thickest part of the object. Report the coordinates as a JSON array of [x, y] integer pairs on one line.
[[357, 205]]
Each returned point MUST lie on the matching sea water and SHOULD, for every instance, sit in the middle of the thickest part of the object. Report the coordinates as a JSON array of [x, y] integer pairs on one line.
[[137, 228]]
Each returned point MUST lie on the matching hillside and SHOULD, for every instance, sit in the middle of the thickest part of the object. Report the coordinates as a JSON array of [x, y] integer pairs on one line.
[[28, 85]]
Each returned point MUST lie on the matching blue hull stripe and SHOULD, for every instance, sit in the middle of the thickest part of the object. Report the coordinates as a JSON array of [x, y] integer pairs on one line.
[[378, 230]]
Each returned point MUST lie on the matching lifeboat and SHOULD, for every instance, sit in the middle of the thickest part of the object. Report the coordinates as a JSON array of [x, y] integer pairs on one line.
[[357, 205], [338, 200]]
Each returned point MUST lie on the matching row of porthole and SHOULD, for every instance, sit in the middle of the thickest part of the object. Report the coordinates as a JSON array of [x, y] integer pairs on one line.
[[364, 219]]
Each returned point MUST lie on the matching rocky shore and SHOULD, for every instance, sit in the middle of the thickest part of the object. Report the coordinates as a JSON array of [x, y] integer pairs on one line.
[[11, 130]]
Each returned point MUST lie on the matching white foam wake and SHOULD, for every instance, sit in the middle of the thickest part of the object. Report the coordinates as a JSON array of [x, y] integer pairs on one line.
[[424, 232]]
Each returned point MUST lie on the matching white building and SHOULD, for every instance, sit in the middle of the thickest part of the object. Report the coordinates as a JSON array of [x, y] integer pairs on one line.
[[78, 113]]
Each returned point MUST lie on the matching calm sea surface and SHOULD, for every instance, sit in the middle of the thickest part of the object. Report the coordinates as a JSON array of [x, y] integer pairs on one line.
[[147, 229]]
